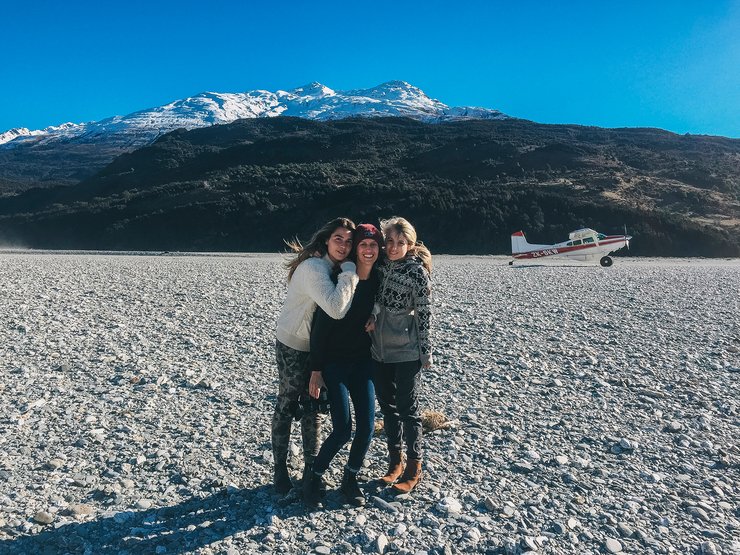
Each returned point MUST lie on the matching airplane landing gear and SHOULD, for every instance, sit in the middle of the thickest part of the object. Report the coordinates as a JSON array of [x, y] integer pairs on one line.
[[511, 262], [606, 261]]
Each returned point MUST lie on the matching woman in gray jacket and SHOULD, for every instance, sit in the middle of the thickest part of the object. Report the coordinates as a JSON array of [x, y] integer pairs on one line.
[[401, 347], [309, 285]]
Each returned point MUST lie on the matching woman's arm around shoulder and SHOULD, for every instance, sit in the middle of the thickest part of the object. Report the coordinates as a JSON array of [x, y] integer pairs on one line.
[[334, 299]]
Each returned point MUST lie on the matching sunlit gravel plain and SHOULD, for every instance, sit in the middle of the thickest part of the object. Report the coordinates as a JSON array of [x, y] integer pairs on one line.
[[589, 409]]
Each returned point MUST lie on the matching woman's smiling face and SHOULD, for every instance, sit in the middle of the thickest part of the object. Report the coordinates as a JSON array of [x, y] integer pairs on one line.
[[367, 252], [396, 246], [339, 244]]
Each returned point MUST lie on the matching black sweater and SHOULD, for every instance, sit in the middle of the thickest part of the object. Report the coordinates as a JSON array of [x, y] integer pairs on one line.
[[346, 339]]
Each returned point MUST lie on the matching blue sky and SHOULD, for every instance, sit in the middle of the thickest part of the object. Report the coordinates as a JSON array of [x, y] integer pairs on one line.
[[668, 64]]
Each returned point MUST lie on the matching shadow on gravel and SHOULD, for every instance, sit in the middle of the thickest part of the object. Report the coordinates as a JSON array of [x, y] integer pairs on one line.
[[192, 524]]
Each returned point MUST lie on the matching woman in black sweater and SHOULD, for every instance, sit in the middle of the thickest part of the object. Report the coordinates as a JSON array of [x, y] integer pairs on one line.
[[340, 359]]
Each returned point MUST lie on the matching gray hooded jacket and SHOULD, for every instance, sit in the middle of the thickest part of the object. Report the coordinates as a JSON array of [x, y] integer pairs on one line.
[[403, 313]]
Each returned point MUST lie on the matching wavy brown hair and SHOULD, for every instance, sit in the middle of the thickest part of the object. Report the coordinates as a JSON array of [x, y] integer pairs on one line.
[[317, 243], [402, 226]]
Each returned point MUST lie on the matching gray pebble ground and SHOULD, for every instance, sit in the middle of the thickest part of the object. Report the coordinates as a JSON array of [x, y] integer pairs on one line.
[[592, 411]]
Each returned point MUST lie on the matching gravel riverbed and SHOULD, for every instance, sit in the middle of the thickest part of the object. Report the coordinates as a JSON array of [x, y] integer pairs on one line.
[[590, 410]]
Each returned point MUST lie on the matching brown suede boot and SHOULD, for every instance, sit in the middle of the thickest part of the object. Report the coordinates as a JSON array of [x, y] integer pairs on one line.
[[411, 476], [395, 468]]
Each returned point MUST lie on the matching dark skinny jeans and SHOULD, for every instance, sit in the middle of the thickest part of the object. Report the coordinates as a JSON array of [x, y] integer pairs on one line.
[[345, 380], [398, 386]]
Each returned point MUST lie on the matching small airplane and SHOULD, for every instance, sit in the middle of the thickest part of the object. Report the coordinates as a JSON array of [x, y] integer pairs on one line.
[[584, 244]]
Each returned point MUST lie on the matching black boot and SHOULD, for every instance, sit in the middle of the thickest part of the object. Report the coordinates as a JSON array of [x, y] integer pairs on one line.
[[307, 469], [282, 478], [312, 483], [308, 472], [350, 489]]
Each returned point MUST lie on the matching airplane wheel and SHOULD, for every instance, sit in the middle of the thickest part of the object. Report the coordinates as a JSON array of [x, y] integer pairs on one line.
[[511, 262], [606, 261]]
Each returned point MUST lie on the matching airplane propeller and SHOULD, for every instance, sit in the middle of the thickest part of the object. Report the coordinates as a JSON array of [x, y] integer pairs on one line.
[[626, 241]]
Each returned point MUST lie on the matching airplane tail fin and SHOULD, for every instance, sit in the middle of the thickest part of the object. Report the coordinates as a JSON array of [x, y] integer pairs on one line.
[[519, 243]]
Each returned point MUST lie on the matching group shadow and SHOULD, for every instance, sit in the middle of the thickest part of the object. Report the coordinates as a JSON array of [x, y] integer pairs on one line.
[[196, 522]]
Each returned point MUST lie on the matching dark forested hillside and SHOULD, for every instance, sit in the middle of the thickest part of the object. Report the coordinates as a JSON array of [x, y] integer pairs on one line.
[[466, 185]]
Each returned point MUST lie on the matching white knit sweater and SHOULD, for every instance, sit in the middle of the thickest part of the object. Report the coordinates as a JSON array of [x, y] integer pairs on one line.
[[310, 285]]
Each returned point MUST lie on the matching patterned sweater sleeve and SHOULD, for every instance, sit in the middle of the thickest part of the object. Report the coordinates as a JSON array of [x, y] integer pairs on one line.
[[380, 276], [422, 295]]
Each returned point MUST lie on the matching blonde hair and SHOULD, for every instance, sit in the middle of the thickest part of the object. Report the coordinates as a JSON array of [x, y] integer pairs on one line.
[[402, 226], [317, 243]]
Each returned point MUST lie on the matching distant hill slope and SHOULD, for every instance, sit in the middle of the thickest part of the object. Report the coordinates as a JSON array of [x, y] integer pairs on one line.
[[68, 153], [467, 185]]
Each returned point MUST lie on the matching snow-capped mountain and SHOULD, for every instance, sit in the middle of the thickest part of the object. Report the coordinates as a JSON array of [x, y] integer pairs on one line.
[[13, 134], [312, 101]]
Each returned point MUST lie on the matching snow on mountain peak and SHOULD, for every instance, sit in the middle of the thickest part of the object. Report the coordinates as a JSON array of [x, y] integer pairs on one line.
[[314, 89], [12, 134], [398, 87], [311, 101]]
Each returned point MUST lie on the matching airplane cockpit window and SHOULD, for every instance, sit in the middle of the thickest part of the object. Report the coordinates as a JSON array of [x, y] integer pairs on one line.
[[577, 242], [588, 240], [601, 236]]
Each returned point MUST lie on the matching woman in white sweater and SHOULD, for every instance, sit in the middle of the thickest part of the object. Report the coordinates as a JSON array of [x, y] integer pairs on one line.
[[309, 284]]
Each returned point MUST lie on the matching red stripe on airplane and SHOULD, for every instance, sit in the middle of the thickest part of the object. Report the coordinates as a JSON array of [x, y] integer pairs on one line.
[[564, 250]]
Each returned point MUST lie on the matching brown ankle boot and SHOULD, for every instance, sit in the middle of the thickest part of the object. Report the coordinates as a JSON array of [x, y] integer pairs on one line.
[[411, 476], [395, 469]]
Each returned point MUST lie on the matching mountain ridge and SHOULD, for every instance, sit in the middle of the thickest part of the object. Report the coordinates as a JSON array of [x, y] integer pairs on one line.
[[210, 108], [467, 185], [68, 153]]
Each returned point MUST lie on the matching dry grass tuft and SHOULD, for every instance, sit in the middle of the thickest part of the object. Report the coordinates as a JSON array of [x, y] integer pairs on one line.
[[433, 420], [430, 420]]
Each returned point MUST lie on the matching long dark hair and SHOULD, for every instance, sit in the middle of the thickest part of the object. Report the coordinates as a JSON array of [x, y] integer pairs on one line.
[[317, 243]]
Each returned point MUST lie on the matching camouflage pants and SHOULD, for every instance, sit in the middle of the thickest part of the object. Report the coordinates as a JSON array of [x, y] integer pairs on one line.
[[293, 375]]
